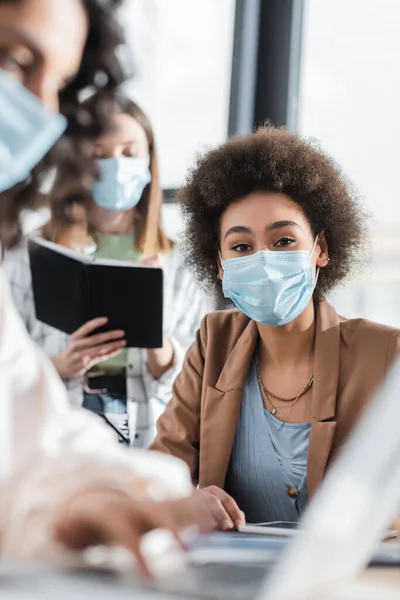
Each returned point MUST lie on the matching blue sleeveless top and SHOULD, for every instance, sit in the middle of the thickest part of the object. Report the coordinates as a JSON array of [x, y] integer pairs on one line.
[[268, 461]]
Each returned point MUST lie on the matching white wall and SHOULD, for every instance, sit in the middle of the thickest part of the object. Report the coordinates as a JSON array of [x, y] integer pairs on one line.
[[183, 53], [349, 101]]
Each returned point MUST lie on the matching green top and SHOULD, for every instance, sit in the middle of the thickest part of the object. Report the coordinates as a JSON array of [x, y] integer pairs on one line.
[[118, 247]]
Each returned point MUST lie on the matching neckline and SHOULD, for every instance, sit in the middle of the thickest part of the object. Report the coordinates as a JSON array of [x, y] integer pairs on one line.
[[302, 425]]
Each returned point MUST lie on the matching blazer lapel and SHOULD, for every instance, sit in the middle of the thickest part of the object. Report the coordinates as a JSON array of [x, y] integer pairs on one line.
[[324, 396], [220, 411], [221, 405]]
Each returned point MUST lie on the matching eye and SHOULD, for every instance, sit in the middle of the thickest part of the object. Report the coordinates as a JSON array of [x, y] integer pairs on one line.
[[16, 61], [99, 153], [241, 248], [131, 150], [130, 153], [284, 241]]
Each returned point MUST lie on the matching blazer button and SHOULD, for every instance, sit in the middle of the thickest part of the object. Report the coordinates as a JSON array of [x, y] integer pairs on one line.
[[293, 492]]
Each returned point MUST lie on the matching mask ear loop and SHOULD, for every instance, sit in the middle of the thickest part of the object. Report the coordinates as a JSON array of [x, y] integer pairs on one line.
[[314, 246], [311, 253], [222, 267]]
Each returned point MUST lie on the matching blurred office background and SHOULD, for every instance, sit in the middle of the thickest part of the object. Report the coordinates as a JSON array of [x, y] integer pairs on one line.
[[330, 69]]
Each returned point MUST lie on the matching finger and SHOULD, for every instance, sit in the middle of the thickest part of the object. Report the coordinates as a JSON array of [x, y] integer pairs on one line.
[[150, 260], [85, 357], [98, 339], [89, 327], [100, 359], [77, 532], [84, 362], [195, 513], [229, 504], [122, 531], [234, 511], [115, 528], [102, 351], [219, 513], [96, 374], [176, 516], [140, 561]]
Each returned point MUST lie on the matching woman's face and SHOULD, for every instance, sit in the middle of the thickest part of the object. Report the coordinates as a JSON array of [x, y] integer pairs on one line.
[[267, 221], [128, 138], [41, 44]]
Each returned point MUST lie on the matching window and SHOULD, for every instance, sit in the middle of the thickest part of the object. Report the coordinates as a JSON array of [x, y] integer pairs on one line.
[[183, 53], [349, 101]]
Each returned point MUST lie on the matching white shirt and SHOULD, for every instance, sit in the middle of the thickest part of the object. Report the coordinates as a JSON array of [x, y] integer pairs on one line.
[[48, 450]]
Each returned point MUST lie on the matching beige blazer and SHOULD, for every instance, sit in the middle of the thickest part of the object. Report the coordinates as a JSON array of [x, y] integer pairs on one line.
[[351, 359]]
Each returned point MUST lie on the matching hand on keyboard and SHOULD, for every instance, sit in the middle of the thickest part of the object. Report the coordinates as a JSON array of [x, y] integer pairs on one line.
[[111, 517]]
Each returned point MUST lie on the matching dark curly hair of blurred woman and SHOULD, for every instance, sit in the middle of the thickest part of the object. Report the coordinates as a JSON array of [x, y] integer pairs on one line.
[[272, 160], [101, 68]]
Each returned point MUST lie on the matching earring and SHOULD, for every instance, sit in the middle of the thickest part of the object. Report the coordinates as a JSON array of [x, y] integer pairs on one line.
[[218, 277]]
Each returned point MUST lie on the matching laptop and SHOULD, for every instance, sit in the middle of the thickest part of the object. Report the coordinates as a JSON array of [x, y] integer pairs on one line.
[[341, 529]]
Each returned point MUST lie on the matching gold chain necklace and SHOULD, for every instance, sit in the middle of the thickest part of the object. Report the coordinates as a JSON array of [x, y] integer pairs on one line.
[[270, 394], [265, 393]]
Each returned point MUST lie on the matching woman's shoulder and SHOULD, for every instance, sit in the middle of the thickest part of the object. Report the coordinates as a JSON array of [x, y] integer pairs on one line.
[[226, 325], [366, 329], [373, 342], [18, 253], [16, 264]]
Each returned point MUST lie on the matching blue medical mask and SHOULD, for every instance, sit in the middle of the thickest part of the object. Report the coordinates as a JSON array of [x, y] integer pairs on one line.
[[121, 183], [27, 131], [270, 287]]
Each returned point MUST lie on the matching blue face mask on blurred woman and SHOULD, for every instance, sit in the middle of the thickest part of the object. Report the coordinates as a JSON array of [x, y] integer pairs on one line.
[[270, 287], [121, 183], [27, 131]]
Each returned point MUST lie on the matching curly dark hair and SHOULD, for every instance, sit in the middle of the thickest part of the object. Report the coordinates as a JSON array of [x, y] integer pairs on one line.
[[100, 68], [272, 160]]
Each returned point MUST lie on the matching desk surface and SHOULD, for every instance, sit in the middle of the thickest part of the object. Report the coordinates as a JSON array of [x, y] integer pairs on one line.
[[38, 582], [385, 577]]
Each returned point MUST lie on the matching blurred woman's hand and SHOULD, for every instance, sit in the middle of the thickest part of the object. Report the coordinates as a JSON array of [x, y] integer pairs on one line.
[[86, 349], [152, 261], [106, 516], [159, 360]]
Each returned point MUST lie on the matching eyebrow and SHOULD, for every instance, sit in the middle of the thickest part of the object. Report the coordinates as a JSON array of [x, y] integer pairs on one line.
[[127, 143], [272, 227], [236, 229], [281, 225]]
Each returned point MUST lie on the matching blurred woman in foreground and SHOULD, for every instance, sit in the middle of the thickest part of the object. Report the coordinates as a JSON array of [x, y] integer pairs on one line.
[[63, 480]]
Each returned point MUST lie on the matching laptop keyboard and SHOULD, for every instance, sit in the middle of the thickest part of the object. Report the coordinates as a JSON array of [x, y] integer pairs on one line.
[[217, 581]]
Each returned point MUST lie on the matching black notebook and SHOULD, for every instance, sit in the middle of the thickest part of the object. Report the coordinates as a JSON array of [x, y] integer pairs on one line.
[[70, 289]]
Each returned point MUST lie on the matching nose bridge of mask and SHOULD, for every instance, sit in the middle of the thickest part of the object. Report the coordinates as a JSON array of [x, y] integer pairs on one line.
[[267, 256], [131, 167]]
